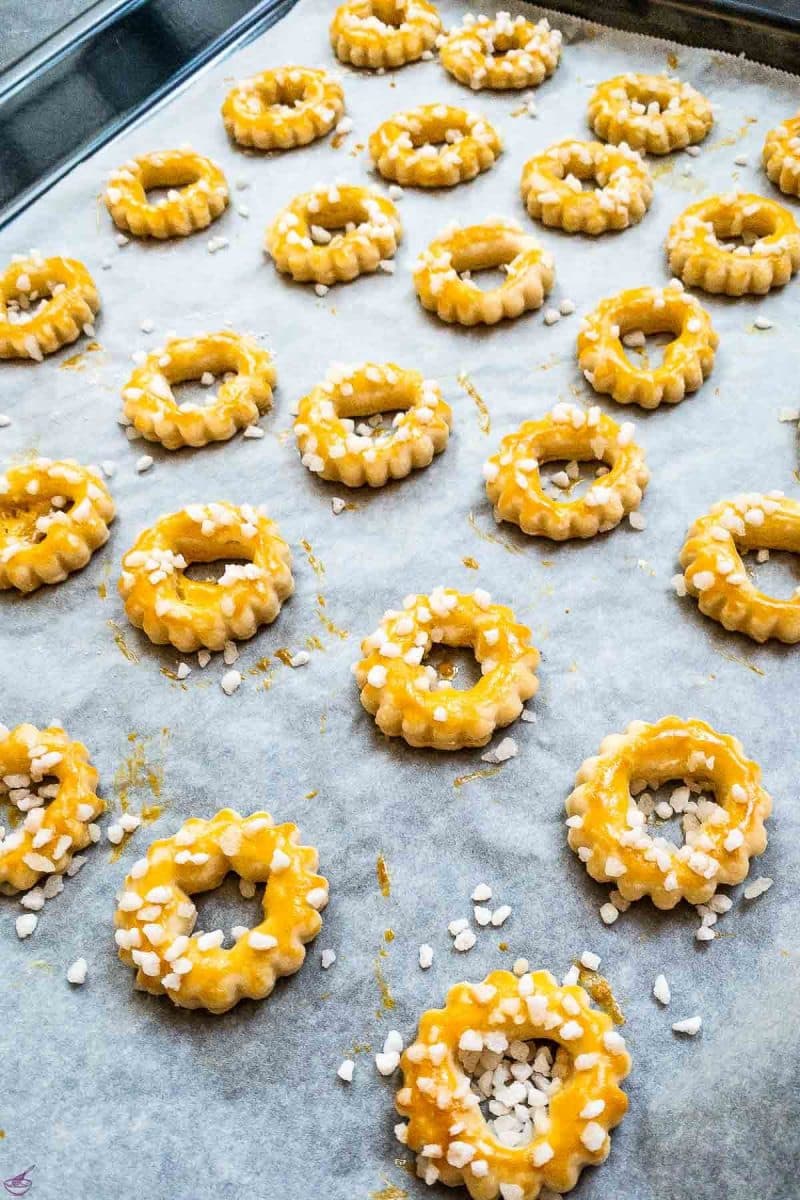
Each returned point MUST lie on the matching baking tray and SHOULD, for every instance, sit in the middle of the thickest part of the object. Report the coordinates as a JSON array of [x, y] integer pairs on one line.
[[111, 1093]]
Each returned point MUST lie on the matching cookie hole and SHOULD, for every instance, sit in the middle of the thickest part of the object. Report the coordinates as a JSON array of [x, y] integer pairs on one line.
[[455, 667], [194, 393], [564, 479], [774, 572], [225, 907], [646, 350], [486, 278], [515, 1084], [163, 180], [211, 571], [29, 521], [677, 810], [378, 423], [18, 798]]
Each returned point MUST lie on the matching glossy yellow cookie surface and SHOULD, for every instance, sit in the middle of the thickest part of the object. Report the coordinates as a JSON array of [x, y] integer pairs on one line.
[[609, 832], [155, 918]]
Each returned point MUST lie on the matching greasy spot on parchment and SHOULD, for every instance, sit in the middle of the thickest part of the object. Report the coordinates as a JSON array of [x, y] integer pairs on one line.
[[387, 999], [119, 640], [326, 621], [495, 538], [484, 773], [600, 990], [263, 667], [77, 362], [316, 564], [484, 418], [140, 775], [742, 662], [390, 1191], [102, 587], [382, 872]]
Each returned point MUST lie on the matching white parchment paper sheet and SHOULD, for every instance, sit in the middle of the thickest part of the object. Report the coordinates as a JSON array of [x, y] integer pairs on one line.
[[112, 1094]]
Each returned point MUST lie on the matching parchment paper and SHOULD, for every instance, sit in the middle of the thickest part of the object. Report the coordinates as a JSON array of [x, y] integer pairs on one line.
[[112, 1094]]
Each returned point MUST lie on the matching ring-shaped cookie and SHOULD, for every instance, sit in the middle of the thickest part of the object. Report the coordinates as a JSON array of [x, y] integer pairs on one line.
[[441, 288], [551, 187], [650, 112], [455, 1144], [781, 156], [67, 298], [197, 192], [53, 516], [698, 253], [371, 225], [435, 145], [715, 573], [155, 919], [608, 831], [283, 108], [192, 613], [150, 405], [686, 361], [501, 52], [47, 838], [326, 433], [383, 33], [401, 692], [514, 486]]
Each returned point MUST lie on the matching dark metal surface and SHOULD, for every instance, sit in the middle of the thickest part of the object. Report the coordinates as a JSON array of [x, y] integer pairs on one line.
[[92, 86], [765, 31]]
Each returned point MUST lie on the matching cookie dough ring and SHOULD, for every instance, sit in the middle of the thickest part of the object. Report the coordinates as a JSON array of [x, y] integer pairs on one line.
[[150, 405], [514, 486], [441, 289], [501, 52], [715, 573], [435, 145], [781, 156], [45, 841], [155, 918], [650, 112], [197, 194], [283, 108], [445, 1124], [372, 233], [608, 832], [551, 187], [396, 686], [698, 255], [193, 613], [686, 362], [384, 33], [325, 428], [53, 516], [71, 303]]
